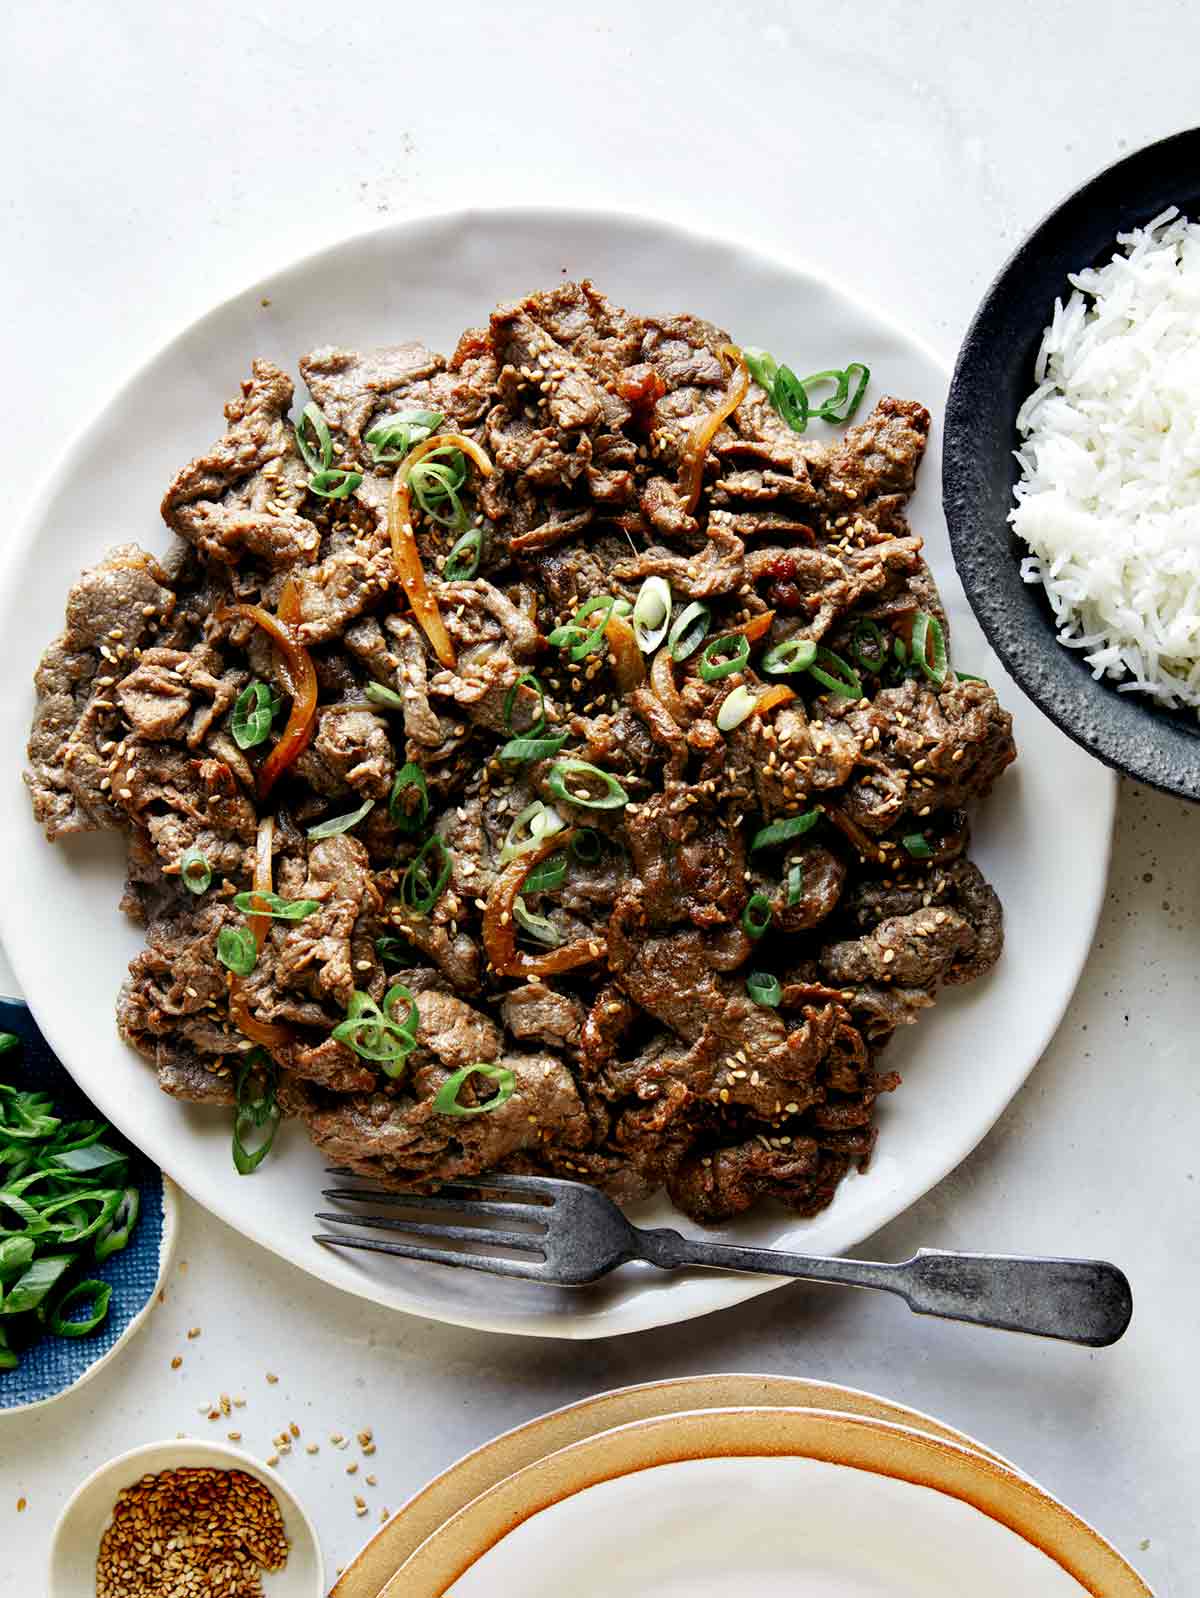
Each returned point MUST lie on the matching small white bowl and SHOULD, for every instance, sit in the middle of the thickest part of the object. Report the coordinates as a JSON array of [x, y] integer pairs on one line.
[[75, 1545]]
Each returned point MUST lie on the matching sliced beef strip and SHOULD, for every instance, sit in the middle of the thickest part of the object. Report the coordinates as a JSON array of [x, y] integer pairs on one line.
[[112, 609], [245, 496], [354, 388], [879, 456], [536, 1013], [184, 801], [350, 755], [170, 693], [717, 568], [315, 956], [914, 950]]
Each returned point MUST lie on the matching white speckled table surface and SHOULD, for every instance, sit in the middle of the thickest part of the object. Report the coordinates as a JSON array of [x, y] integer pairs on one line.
[[156, 162]]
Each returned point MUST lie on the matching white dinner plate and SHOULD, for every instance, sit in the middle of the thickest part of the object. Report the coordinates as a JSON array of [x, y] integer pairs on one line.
[[1043, 839], [785, 1503]]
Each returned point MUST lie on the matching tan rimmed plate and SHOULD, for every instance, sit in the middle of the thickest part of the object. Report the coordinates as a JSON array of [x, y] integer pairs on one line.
[[784, 1501], [515, 1450]]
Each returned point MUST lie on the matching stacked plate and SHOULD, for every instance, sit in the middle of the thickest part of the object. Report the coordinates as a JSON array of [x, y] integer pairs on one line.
[[723, 1485]]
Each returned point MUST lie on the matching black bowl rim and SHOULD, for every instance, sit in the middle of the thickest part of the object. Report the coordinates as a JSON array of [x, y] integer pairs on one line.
[[1125, 731]]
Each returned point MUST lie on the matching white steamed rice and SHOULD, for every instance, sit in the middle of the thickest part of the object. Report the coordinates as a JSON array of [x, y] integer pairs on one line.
[[1109, 496]]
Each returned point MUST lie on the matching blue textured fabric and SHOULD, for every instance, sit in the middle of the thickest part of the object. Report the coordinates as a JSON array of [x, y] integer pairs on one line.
[[54, 1363]]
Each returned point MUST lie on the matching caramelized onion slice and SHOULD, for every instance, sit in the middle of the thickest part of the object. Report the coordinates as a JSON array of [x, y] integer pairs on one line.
[[629, 664], [662, 680], [404, 538], [691, 474], [499, 930], [302, 675], [271, 1034]]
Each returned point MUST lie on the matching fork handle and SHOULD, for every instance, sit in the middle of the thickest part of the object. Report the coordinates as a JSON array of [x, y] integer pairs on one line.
[[1078, 1301]]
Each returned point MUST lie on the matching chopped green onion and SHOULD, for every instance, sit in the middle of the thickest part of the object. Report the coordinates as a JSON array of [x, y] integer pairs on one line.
[[336, 483], [547, 875], [194, 871], [31, 1287], [340, 824], [15, 1254], [794, 654], [689, 630], [790, 399], [782, 831], [652, 614], [715, 659], [237, 950], [315, 459], [536, 926], [257, 1110], [527, 679], [736, 707], [875, 658], [374, 1033], [581, 641], [76, 1226], [761, 366], [795, 883], [518, 751], [435, 481], [756, 917], [253, 711], [96, 1294], [383, 695], [613, 797], [586, 846], [927, 629], [842, 404], [536, 822], [115, 1235], [408, 802], [841, 678], [764, 989], [917, 846], [968, 676], [446, 1099], [399, 951], [257, 902], [95, 1156], [393, 438], [418, 889], [463, 560], [8, 1042]]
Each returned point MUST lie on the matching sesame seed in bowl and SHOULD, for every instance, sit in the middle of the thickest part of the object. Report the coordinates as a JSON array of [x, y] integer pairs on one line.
[[174, 1519]]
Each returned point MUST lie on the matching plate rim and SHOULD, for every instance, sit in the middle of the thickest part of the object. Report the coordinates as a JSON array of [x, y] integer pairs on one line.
[[458, 1484], [652, 1312], [853, 1441]]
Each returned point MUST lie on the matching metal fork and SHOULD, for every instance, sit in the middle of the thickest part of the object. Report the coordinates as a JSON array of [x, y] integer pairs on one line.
[[572, 1234]]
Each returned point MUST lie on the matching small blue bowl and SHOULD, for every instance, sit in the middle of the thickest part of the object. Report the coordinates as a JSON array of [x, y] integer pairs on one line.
[[55, 1364]]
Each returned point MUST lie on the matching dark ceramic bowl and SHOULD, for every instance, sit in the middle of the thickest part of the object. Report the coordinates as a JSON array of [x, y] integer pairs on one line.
[[993, 375]]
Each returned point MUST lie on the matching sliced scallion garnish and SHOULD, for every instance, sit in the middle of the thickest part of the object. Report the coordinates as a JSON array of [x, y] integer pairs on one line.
[[115, 1235], [792, 655], [535, 727], [408, 802], [869, 646], [652, 614], [435, 481], [194, 871], [339, 824], [612, 798], [538, 927], [380, 694], [929, 646], [519, 751], [392, 438], [547, 875], [255, 902], [790, 399], [689, 630], [736, 707], [783, 831], [325, 479], [373, 1031], [93, 1293], [762, 367], [253, 711], [420, 887], [917, 846], [836, 674], [463, 560], [721, 656], [578, 640], [445, 1101], [794, 883], [237, 950], [764, 989], [256, 1111], [535, 823], [756, 917]]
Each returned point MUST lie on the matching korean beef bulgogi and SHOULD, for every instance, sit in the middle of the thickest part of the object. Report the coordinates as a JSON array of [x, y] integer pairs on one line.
[[544, 759]]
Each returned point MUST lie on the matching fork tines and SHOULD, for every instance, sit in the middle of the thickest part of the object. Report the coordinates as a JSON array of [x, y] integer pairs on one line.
[[453, 1199]]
